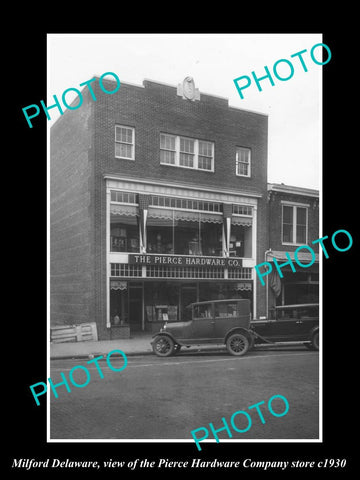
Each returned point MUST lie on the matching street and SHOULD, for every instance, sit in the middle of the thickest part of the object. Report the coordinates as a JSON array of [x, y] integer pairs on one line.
[[166, 398]]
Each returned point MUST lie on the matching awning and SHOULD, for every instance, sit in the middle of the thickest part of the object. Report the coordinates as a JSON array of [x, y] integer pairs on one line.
[[239, 220], [303, 257], [127, 210], [185, 216]]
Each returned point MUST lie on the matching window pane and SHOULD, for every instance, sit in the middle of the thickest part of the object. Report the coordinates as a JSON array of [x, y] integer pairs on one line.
[[301, 216], [287, 233], [205, 163], [167, 157], [205, 148], [167, 142], [124, 234], [186, 145], [186, 160], [301, 234], [243, 169], [123, 150], [123, 134], [287, 214]]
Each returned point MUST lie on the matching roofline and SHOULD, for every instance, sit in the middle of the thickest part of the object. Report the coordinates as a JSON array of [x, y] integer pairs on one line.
[[280, 187]]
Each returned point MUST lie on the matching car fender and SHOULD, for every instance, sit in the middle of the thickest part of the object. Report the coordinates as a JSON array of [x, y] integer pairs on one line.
[[313, 330], [164, 334], [242, 330]]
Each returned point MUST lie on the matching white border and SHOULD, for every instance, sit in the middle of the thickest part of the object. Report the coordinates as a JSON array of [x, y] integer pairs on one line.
[[319, 440]]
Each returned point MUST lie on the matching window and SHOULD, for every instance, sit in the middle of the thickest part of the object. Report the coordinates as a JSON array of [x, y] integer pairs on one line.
[[225, 310], [243, 162], [294, 224], [186, 152], [124, 142]]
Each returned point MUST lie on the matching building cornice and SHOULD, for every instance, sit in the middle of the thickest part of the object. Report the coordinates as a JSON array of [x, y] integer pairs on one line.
[[184, 186]]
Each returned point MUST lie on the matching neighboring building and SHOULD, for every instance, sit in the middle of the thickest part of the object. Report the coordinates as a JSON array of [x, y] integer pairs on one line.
[[158, 199], [293, 221]]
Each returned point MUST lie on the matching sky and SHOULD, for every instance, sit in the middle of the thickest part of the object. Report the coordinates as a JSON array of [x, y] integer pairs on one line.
[[214, 60]]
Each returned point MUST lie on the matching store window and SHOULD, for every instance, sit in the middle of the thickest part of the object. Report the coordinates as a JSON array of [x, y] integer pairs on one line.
[[124, 142], [124, 234], [184, 237], [294, 224], [241, 241]]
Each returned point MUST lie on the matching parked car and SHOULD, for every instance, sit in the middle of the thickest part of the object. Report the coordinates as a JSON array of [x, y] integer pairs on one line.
[[287, 323], [217, 321]]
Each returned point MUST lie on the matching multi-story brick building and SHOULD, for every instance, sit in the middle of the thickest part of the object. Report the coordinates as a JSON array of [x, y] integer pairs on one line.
[[158, 199], [293, 222]]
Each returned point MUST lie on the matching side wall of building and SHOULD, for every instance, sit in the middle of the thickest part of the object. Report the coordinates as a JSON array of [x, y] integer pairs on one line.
[[72, 211]]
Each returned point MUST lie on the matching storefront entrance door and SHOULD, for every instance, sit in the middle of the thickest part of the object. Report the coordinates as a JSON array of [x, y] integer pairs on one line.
[[135, 307]]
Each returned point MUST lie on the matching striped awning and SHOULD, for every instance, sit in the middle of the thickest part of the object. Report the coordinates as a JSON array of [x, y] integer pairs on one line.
[[303, 257], [239, 220], [184, 215], [127, 210]]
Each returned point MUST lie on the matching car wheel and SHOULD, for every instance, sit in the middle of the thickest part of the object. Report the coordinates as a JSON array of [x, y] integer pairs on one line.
[[163, 346], [315, 341], [237, 344]]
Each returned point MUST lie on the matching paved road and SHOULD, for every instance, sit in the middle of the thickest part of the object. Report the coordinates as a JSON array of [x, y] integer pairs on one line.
[[166, 398]]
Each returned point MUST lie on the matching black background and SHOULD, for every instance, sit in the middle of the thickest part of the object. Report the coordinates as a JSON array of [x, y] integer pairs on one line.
[[24, 189]]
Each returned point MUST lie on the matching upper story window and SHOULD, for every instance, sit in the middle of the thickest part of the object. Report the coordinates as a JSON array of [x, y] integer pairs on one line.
[[186, 152], [243, 161], [294, 224], [124, 142]]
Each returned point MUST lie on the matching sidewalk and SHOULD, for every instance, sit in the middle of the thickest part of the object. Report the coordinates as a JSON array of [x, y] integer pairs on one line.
[[138, 345]]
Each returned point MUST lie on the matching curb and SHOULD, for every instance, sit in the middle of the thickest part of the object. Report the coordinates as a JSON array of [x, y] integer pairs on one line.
[[96, 354]]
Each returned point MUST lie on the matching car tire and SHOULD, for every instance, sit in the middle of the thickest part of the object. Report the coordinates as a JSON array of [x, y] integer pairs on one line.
[[237, 344], [315, 341], [163, 346]]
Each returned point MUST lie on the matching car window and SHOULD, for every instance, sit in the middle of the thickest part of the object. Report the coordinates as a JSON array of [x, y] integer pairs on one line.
[[202, 311], [225, 310]]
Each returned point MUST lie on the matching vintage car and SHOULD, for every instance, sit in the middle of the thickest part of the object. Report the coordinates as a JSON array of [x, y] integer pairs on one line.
[[218, 321], [289, 323]]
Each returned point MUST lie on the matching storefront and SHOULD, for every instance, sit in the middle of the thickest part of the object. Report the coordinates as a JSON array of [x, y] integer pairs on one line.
[[171, 246], [301, 286]]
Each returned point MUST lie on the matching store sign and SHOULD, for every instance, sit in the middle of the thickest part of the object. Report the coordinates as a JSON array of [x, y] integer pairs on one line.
[[185, 261]]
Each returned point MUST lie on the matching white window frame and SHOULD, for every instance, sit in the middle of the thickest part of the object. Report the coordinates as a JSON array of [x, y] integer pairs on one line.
[[125, 143], [238, 162], [196, 153], [294, 220]]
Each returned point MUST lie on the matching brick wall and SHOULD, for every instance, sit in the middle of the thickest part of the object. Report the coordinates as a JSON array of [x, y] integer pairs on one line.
[[157, 108], [82, 150], [72, 226], [275, 220]]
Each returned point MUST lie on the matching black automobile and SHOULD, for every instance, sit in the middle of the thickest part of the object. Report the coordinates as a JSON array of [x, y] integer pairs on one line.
[[289, 323], [217, 322]]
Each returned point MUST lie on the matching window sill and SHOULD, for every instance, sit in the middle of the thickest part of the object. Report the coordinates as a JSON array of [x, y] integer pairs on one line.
[[125, 158], [187, 168]]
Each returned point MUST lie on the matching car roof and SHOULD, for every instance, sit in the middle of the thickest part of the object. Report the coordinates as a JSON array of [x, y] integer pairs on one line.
[[218, 301], [301, 305]]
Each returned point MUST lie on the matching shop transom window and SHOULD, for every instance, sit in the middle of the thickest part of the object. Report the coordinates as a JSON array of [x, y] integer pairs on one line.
[[185, 203], [186, 152]]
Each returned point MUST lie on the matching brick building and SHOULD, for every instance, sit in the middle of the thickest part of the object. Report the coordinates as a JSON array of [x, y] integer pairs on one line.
[[293, 221], [158, 199]]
